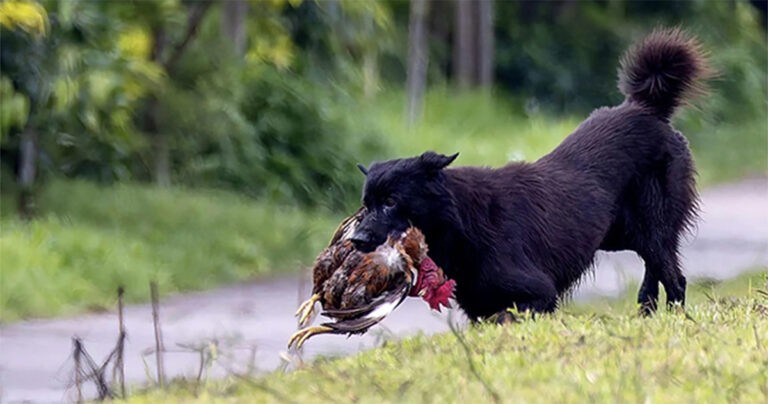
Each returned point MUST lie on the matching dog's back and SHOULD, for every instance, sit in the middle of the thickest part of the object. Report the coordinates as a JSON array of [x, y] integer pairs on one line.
[[523, 234], [624, 180]]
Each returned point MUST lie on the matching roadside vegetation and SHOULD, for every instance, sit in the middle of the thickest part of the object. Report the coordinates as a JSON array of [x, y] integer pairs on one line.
[[200, 143], [90, 238], [717, 351]]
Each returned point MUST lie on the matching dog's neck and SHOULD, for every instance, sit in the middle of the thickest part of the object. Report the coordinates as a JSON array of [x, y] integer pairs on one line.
[[446, 232]]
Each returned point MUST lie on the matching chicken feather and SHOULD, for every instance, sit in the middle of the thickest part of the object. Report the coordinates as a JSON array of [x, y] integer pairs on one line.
[[358, 289]]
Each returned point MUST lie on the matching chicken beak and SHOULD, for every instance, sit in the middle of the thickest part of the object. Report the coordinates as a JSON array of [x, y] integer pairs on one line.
[[422, 292]]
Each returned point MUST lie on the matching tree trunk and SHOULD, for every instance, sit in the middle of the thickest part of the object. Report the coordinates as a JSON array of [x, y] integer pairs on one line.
[[27, 172], [485, 46], [162, 160], [463, 41], [233, 25], [370, 73], [161, 167], [418, 59], [160, 142], [370, 61], [161, 152], [762, 11]]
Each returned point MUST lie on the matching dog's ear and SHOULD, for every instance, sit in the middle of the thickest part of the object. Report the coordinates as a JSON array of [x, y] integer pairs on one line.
[[362, 169], [434, 161]]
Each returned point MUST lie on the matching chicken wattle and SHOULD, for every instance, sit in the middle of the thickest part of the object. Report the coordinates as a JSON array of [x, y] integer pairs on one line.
[[432, 285]]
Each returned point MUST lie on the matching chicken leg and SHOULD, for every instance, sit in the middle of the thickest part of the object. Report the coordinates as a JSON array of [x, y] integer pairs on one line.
[[306, 309], [298, 338]]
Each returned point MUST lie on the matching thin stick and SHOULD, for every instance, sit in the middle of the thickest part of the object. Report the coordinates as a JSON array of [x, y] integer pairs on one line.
[[472, 368], [302, 281], [158, 333], [78, 382], [252, 362], [120, 363]]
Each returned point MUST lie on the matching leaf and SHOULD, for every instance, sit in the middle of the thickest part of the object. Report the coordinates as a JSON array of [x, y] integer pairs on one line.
[[28, 16]]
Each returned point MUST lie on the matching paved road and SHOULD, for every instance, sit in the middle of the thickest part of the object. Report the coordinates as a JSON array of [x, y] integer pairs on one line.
[[34, 355]]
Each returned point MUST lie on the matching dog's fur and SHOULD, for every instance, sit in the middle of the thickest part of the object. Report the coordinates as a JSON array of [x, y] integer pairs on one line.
[[522, 235]]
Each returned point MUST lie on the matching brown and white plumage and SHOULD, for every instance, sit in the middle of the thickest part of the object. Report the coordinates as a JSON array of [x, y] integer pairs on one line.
[[328, 261], [357, 289]]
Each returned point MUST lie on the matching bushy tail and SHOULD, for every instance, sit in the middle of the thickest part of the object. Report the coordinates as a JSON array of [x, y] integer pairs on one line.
[[663, 70]]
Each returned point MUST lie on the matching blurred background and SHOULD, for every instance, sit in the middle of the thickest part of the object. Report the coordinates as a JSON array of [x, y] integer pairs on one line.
[[206, 142]]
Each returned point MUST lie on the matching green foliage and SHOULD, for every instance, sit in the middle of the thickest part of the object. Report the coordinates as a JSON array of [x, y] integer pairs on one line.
[[716, 352], [308, 151], [335, 38], [23, 15], [81, 88], [92, 239], [282, 121], [14, 109], [563, 56]]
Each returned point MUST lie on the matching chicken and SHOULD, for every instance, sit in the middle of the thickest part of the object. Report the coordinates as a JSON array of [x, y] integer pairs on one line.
[[358, 290], [328, 261]]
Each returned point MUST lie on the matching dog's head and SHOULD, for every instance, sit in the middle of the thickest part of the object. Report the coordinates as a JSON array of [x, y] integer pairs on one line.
[[398, 193]]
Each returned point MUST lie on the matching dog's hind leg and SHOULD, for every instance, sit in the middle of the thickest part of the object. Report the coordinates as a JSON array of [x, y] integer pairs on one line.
[[657, 244], [666, 209], [618, 239], [661, 265], [648, 296]]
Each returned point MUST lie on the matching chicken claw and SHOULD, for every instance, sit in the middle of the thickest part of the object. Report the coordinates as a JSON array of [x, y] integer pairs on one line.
[[306, 309], [299, 337]]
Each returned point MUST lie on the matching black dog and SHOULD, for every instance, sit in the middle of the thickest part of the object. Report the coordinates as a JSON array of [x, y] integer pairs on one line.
[[523, 234]]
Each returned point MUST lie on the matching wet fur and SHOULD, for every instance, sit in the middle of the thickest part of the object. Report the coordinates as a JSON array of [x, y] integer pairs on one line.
[[524, 234]]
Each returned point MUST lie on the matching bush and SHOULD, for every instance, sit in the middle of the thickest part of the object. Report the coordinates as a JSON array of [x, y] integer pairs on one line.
[[298, 145]]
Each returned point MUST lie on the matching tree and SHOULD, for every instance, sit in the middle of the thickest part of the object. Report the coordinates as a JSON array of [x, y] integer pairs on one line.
[[485, 43], [27, 25], [473, 43], [73, 90], [233, 16], [167, 57], [463, 44], [418, 59]]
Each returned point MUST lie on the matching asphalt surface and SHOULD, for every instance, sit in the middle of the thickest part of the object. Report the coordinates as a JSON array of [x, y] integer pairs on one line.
[[251, 323]]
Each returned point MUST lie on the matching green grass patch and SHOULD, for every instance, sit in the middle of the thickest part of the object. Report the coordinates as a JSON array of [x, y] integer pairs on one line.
[[485, 129], [716, 352], [700, 290], [91, 239]]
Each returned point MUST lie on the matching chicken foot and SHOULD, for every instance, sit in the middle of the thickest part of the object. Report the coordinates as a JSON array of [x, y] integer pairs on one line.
[[299, 337], [306, 309]]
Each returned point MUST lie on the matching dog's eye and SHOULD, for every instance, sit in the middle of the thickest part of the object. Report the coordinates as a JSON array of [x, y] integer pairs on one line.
[[390, 202]]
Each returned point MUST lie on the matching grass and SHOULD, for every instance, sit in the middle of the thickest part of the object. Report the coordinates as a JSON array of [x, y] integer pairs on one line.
[[486, 130], [716, 352], [90, 239]]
